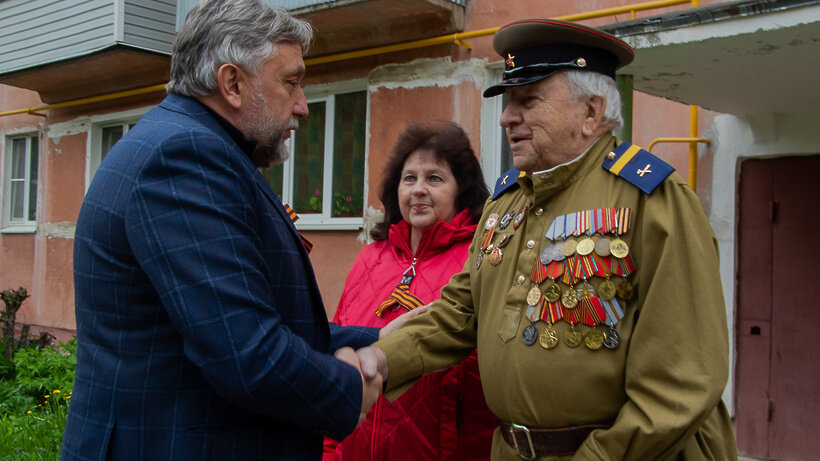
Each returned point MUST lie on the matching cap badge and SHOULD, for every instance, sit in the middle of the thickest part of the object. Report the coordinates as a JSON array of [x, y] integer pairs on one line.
[[510, 60], [581, 62]]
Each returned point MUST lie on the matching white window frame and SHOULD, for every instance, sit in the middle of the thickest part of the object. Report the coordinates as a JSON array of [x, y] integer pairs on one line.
[[324, 221], [492, 135], [25, 226], [93, 155]]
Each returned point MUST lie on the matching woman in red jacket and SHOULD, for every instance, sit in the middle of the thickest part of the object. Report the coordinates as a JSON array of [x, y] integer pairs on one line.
[[433, 193]]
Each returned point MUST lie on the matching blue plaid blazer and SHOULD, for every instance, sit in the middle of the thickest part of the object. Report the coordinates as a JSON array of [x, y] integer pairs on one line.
[[201, 331]]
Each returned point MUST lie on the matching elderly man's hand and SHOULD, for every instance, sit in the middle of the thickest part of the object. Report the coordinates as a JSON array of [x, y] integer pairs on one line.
[[399, 321], [371, 384], [373, 361]]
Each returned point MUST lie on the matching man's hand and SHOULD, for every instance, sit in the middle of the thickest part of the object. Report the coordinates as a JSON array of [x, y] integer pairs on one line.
[[371, 385], [373, 361], [398, 321]]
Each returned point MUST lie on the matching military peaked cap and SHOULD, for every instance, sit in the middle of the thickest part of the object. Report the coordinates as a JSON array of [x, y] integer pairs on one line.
[[534, 49]]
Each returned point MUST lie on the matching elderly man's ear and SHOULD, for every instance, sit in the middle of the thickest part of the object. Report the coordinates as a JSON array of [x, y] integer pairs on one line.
[[231, 81], [594, 106]]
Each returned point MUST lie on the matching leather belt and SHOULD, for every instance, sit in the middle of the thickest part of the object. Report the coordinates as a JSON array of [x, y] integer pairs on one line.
[[530, 443]]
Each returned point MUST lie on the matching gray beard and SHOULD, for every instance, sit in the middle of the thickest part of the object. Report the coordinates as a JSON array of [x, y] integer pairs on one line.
[[261, 127]]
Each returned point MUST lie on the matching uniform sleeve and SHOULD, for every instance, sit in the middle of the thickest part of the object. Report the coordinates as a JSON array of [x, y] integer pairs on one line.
[[440, 338], [677, 362], [194, 227]]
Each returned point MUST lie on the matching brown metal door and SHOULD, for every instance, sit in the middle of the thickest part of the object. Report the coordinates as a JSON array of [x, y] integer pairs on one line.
[[778, 321]]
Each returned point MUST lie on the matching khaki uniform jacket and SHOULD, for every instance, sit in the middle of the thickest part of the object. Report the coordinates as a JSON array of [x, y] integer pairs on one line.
[[661, 387]]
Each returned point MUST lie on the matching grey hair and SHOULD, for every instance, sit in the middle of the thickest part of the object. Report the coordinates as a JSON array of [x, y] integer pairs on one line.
[[585, 83], [240, 32]]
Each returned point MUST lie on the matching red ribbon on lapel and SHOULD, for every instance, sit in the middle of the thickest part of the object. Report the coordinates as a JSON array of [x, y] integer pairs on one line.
[[295, 217]]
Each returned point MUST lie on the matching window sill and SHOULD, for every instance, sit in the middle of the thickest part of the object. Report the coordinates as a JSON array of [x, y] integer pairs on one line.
[[308, 222], [31, 229]]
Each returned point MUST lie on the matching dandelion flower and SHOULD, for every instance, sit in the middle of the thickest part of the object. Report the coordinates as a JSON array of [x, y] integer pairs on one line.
[[56, 391], [28, 412]]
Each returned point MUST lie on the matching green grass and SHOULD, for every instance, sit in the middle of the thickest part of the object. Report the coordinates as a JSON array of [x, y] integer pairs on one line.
[[34, 396]]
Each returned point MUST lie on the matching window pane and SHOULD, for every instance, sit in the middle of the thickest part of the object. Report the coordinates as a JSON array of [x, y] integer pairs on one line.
[[348, 154], [34, 157], [309, 161], [18, 188], [110, 136], [274, 177], [18, 158]]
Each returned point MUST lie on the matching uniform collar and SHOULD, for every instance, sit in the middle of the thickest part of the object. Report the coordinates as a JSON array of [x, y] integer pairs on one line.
[[545, 184]]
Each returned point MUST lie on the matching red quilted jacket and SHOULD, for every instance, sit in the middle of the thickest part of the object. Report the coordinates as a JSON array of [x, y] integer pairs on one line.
[[444, 415]]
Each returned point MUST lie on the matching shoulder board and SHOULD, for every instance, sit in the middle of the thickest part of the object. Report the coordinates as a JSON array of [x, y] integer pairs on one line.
[[506, 182], [638, 166]]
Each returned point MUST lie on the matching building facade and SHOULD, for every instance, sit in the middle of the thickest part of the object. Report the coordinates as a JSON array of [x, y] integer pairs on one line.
[[75, 75]]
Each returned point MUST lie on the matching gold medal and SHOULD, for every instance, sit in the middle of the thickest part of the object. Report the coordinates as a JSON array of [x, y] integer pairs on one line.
[[573, 337], [594, 340], [548, 338], [569, 298], [585, 246], [495, 256], [568, 249], [619, 248], [534, 296], [607, 290], [625, 290], [553, 292]]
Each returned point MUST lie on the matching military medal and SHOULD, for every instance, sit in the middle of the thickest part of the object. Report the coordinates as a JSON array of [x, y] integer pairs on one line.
[[534, 296], [495, 256], [573, 337], [478, 260], [594, 339], [624, 290], [491, 221], [602, 247], [519, 218], [618, 248], [553, 292], [606, 290], [548, 338], [530, 333], [569, 298], [568, 248], [503, 241], [585, 246], [506, 220], [614, 313], [612, 339], [584, 290]]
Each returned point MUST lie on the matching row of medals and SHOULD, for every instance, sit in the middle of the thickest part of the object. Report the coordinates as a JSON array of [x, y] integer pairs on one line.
[[569, 297]]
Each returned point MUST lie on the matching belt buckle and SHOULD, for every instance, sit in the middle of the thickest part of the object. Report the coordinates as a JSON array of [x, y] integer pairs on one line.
[[517, 427]]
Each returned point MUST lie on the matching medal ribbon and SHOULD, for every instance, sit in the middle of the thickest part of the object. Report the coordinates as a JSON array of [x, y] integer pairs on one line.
[[623, 266], [539, 272], [293, 218], [568, 266], [552, 310], [488, 239], [555, 269], [601, 264], [584, 267], [595, 313], [572, 316], [623, 217], [614, 313], [534, 313], [401, 296], [583, 222], [569, 224]]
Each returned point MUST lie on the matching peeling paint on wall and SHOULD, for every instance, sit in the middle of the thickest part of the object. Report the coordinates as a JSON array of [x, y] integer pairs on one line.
[[64, 229], [77, 126], [440, 72], [372, 216]]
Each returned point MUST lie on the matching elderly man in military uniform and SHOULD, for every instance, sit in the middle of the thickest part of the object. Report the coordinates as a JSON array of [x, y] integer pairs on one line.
[[592, 289]]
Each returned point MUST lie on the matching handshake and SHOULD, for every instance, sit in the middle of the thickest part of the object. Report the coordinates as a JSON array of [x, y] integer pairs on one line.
[[372, 363]]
